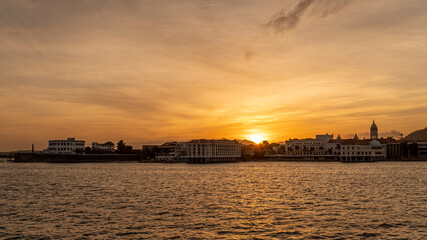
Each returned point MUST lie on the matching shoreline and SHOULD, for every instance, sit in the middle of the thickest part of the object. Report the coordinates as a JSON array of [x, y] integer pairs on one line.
[[134, 158]]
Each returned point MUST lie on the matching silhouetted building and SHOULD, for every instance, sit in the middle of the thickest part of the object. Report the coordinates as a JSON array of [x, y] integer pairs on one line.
[[415, 150], [394, 148], [107, 147], [69, 146], [149, 151]]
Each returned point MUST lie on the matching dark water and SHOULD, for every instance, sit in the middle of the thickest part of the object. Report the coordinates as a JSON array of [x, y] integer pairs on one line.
[[276, 200]]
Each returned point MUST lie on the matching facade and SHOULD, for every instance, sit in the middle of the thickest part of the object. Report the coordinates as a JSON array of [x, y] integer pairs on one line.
[[247, 151], [207, 151], [69, 146], [170, 151], [309, 146], [394, 148], [355, 150], [415, 150], [107, 147], [422, 148]]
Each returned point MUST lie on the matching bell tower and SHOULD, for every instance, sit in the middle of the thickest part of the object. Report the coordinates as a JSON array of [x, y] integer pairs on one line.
[[374, 131]]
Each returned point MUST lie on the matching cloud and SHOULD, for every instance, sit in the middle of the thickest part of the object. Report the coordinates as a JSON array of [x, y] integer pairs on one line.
[[284, 21], [392, 133]]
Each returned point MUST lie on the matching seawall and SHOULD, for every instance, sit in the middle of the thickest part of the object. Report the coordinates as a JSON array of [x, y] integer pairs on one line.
[[75, 158]]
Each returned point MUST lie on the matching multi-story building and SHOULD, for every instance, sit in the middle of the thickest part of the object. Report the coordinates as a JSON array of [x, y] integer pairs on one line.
[[206, 151], [309, 146], [415, 150], [394, 148], [356, 150], [69, 146], [170, 151], [107, 147]]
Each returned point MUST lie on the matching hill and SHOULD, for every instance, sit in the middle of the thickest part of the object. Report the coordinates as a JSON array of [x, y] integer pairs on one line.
[[245, 142], [417, 135]]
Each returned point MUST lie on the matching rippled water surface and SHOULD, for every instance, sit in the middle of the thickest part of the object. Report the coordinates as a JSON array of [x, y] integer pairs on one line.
[[275, 200]]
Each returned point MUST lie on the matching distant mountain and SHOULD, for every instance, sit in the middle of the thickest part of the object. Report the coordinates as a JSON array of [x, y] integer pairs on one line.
[[245, 142], [417, 135]]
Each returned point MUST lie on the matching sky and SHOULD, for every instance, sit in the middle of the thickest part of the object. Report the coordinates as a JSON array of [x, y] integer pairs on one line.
[[150, 71]]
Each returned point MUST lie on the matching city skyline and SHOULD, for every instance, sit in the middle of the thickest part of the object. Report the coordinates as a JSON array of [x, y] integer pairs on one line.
[[255, 138], [151, 72]]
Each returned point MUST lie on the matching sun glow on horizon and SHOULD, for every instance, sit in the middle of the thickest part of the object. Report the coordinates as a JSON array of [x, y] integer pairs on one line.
[[257, 138]]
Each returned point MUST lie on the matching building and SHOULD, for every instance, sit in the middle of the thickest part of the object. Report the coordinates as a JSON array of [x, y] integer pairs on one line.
[[107, 147], [149, 151], [374, 131], [394, 148], [69, 146], [208, 151], [248, 151], [415, 150], [356, 150], [309, 146], [170, 151]]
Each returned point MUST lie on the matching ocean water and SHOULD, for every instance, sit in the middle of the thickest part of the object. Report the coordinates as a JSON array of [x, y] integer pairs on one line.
[[258, 200]]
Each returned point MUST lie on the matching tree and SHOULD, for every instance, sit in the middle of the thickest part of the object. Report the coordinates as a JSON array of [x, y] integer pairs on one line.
[[88, 150], [123, 149], [121, 146]]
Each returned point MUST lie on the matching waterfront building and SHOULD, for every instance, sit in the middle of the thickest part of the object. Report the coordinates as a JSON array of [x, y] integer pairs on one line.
[[69, 146], [247, 151], [356, 150], [308, 146], [149, 151], [107, 147], [170, 151], [394, 148], [415, 150], [207, 151]]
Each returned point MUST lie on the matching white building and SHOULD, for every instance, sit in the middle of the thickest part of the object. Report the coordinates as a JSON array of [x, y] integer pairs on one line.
[[309, 146], [107, 147], [206, 151], [69, 146], [356, 150]]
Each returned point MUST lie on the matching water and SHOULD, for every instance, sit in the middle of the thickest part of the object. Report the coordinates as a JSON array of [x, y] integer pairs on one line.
[[276, 200]]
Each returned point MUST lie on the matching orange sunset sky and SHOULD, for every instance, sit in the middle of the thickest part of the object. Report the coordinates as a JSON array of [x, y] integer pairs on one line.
[[155, 71]]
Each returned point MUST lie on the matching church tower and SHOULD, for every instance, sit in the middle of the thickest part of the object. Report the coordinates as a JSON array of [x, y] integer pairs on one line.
[[374, 131]]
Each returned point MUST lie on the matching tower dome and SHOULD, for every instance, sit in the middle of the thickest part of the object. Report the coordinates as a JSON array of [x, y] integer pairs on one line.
[[374, 131]]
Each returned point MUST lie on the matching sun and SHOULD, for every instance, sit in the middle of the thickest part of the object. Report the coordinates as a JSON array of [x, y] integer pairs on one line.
[[257, 138]]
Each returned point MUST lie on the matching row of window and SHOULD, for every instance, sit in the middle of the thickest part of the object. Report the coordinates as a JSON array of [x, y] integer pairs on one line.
[[62, 149], [65, 144], [357, 153], [308, 144]]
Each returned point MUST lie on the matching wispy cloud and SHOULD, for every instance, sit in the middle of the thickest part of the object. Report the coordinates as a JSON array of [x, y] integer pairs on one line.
[[287, 20]]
